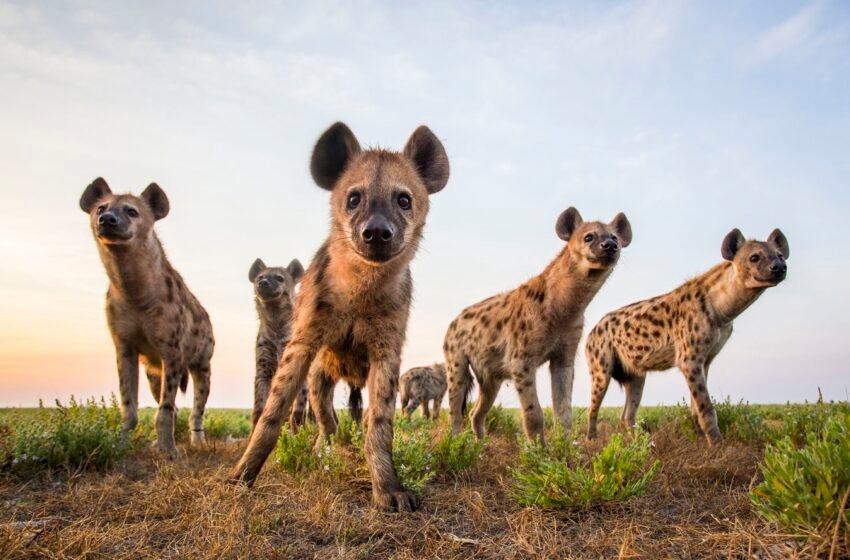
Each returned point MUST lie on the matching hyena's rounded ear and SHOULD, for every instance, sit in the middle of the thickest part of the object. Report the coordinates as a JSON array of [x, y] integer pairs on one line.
[[621, 225], [731, 244], [156, 200], [332, 153], [93, 193], [295, 269], [429, 158], [778, 238], [256, 269], [567, 223]]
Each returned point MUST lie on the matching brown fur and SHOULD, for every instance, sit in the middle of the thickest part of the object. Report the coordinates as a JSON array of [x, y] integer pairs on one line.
[[351, 313], [685, 328], [151, 313], [422, 384], [508, 336]]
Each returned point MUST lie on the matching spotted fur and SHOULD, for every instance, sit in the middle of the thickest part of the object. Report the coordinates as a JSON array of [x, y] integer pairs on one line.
[[422, 384], [152, 315], [685, 328], [509, 336]]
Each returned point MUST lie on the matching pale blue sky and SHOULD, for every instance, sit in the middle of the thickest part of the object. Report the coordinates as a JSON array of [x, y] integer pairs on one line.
[[692, 118]]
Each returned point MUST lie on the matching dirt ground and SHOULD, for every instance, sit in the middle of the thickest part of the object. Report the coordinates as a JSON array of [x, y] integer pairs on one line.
[[697, 507]]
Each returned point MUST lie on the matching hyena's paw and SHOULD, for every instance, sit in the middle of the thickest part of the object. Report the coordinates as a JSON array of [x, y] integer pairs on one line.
[[714, 438], [395, 500], [196, 438], [166, 449]]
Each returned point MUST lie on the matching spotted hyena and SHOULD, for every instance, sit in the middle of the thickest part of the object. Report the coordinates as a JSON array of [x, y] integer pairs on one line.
[[685, 328], [274, 297], [508, 336], [351, 312], [151, 313], [422, 384]]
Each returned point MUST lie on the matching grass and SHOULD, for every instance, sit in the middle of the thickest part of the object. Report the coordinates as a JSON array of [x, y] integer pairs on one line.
[[697, 503]]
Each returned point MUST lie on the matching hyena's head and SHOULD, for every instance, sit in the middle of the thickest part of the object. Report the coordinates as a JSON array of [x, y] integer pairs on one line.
[[595, 245], [122, 219], [379, 198], [275, 284], [758, 264]]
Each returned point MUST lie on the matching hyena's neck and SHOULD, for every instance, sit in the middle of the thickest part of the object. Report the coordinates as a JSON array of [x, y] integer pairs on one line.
[[728, 296], [569, 287], [353, 278], [275, 316], [137, 273]]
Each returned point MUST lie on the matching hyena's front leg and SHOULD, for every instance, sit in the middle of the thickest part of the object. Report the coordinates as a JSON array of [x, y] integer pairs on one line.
[[288, 380], [201, 388], [128, 383], [165, 414], [321, 401], [266, 361], [562, 371], [695, 376], [387, 492], [634, 392]]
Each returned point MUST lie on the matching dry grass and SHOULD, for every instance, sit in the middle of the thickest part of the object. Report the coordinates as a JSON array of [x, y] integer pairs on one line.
[[147, 508]]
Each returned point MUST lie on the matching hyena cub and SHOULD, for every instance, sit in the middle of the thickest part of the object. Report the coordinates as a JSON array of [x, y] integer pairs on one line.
[[685, 328], [421, 384], [151, 313], [274, 296], [508, 336], [351, 312]]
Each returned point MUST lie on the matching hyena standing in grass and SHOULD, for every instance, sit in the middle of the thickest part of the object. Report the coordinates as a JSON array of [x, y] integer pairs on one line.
[[351, 313], [422, 384], [685, 328], [274, 297], [508, 336], [151, 313]]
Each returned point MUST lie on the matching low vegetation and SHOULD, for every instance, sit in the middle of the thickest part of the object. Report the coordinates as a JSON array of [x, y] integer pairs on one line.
[[776, 487]]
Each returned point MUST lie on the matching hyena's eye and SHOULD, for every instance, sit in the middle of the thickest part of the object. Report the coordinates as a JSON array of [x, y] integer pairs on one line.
[[353, 200], [404, 201], [588, 238], [101, 209], [754, 258], [279, 278], [132, 212]]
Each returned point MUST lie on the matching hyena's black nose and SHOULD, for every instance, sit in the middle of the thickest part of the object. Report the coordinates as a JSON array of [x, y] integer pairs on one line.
[[378, 231], [778, 267], [107, 218], [263, 283], [609, 245]]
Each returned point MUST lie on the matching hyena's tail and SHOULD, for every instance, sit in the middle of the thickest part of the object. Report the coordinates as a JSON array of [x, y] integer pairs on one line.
[[184, 381], [470, 385], [355, 403]]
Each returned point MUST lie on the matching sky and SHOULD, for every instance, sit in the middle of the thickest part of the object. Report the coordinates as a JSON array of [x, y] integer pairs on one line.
[[693, 118]]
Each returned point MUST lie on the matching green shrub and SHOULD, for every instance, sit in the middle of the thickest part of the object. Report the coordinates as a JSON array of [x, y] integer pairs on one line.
[[413, 458], [743, 422], [501, 421], [801, 422], [803, 488], [219, 424], [454, 453], [294, 452], [651, 418], [79, 435], [348, 432], [620, 471]]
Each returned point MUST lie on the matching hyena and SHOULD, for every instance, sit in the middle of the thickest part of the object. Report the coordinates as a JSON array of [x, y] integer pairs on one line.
[[508, 336], [685, 328], [351, 312], [151, 313], [274, 296], [422, 384]]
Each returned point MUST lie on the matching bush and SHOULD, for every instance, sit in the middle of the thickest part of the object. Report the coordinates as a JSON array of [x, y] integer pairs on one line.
[[294, 452], [803, 488], [453, 454], [220, 424], [743, 422], [76, 436], [620, 471], [801, 422], [501, 421], [412, 457]]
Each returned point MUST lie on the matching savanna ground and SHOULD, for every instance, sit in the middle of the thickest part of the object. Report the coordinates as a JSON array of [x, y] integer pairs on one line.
[[114, 502]]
